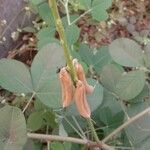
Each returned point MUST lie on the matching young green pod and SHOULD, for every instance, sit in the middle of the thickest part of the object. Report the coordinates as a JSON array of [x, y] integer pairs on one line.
[[81, 101], [66, 87], [81, 76]]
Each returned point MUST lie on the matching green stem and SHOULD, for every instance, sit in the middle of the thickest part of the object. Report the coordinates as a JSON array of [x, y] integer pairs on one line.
[[63, 40], [93, 130]]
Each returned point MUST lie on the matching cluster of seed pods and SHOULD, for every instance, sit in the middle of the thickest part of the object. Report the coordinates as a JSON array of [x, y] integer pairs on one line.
[[77, 92]]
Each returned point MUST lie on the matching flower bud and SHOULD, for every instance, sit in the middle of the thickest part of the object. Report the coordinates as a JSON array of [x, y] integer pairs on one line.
[[81, 76], [81, 101], [66, 87]]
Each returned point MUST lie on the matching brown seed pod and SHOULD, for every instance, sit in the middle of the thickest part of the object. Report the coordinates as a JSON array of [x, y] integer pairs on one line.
[[81, 76], [81, 101], [66, 87]]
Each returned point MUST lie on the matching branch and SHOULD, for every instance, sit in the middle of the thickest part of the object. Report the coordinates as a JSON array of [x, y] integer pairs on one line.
[[68, 139], [126, 124]]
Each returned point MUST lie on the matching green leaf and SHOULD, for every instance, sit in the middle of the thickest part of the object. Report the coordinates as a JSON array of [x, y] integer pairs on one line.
[[130, 84], [49, 58], [143, 95], [102, 3], [94, 100], [46, 114], [36, 2], [109, 112], [50, 92], [35, 121], [67, 145], [98, 59], [57, 146], [60, 146], [147, 55], [126, 52], [72, 34], [38, 105], [12, 128], [104, 58], [110, 76], [45, 32], [45, 41], [29, 145], [99, 14], [86, 4], [49, 119], [15, 76], [99, 9], [46, 14], [38, 145], [86, 54], [33, 7], [46, 36], [43, 70], [139, 131], [145, 145]]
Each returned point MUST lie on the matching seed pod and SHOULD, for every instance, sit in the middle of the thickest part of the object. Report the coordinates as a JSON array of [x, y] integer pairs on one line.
[[66, 87], [81, 101], [81, 76]]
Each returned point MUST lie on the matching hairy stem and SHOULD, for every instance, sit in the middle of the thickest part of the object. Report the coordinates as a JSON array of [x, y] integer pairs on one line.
[[63, 40], [93, 130], [126, 124]]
